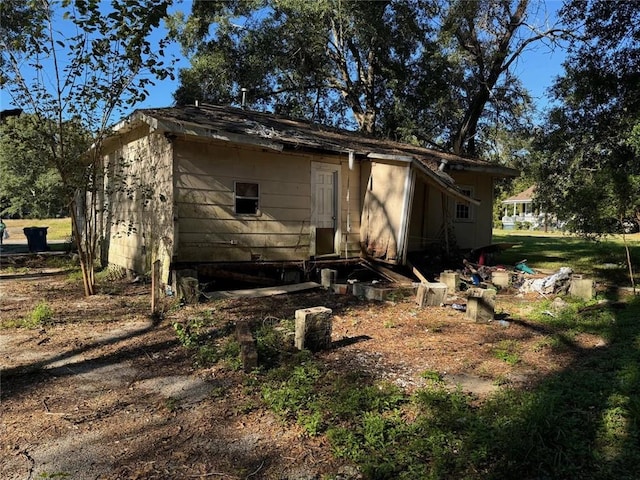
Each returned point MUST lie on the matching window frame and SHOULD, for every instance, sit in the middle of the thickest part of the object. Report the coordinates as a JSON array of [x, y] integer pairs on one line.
[[469, 191], [237, 197]]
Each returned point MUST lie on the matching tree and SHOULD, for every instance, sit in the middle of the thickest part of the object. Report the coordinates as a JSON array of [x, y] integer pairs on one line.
[[589, 171], [425, 71], [487, 37], [74, 65], [31, 185], [312, 59]]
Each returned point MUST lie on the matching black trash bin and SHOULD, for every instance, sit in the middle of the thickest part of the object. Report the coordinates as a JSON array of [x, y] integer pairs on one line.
[[36, 238]]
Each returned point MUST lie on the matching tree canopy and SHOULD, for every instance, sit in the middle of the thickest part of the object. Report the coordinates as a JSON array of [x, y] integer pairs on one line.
[[427, 71], [589, 167], [73, 65], [31, 184]]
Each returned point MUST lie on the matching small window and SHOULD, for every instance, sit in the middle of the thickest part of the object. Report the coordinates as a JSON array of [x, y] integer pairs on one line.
[[247, 198], [464, 211]]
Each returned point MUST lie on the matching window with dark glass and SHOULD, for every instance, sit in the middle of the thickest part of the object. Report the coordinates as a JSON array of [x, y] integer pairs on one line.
[[464, 210], [247, 199]]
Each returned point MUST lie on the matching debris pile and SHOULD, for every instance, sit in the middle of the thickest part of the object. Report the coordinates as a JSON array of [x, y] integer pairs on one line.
[[558, 283], [520, 277]]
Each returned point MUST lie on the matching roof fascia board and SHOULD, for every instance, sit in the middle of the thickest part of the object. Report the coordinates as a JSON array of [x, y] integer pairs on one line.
[[445, 187], [387, 156], [495, 170], [180, 128]]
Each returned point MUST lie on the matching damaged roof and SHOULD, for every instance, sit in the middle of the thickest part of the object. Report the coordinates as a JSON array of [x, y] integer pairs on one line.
[[279, 133]]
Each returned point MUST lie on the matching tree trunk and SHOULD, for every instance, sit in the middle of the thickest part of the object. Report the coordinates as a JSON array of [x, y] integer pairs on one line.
[[464, 141]]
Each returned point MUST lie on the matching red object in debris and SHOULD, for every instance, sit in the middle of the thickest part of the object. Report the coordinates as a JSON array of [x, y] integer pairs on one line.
[[481, 259]]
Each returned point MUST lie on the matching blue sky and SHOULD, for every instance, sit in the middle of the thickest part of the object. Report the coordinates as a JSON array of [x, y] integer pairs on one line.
[[537, 67]]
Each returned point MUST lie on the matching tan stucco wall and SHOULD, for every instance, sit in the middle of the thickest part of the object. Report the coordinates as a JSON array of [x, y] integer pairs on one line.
[[138, 218]]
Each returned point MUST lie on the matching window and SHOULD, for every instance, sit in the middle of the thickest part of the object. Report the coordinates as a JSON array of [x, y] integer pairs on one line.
[[247, 199], [464, 211]]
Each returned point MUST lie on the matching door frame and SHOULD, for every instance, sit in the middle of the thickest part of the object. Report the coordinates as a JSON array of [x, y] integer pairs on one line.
[[337, 186]]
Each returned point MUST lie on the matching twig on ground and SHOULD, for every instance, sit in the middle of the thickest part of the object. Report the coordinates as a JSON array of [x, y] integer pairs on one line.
[[255, 471], [211, 474], [32, 463]]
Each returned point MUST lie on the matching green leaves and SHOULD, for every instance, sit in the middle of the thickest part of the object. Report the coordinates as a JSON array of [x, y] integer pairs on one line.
[[75, 65], [588, 152]]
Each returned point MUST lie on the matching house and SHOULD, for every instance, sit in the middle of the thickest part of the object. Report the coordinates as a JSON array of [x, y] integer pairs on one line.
[[221, 186], [519, 211]]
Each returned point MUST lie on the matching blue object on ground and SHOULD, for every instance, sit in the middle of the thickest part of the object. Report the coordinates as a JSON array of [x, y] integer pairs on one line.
[[524, 268]]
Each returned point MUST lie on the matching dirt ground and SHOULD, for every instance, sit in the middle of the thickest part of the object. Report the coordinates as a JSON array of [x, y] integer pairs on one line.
[[103, 392]]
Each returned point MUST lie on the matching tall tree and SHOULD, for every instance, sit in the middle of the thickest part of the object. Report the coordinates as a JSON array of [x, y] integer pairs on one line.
[[417, 70], [31, 185], [314, 59], [73, 65], [487, 37], [589, 170]]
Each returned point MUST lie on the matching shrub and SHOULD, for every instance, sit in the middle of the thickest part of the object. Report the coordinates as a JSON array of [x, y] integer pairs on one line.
[[41, 314]]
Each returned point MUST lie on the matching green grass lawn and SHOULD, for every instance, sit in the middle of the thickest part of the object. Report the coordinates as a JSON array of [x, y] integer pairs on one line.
[[581, 422], [605, 259], [58, 228]]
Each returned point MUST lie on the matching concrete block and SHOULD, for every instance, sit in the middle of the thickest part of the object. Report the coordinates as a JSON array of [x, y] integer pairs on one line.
[[583, 288], [292, 276], [188, 286], [480, 305], [359, 290], [328, 277], [371, 292], [451, 280], [501, 278], [341, 288], [313, 328], [431, 294]]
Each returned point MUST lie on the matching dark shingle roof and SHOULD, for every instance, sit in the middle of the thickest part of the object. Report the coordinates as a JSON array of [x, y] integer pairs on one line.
[[282, 132]]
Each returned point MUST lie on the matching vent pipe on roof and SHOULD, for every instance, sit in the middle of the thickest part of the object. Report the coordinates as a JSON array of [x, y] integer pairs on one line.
[[243, 103], [443, 164]]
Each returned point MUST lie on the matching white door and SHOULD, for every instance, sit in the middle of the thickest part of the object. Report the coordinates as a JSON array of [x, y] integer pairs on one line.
[[325, 199], [325, 207]]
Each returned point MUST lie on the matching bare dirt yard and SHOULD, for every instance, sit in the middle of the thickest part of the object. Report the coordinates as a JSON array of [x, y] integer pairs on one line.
[[101, 391]]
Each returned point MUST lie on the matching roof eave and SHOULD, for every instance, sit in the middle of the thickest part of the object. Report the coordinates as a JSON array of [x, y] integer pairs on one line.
[[440, 183], [495, 170]]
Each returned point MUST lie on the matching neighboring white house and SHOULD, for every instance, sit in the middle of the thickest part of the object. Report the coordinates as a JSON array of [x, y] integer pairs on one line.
[[519, 209]]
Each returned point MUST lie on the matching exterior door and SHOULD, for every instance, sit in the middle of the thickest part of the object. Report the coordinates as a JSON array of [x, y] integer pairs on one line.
[[325, 207]]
